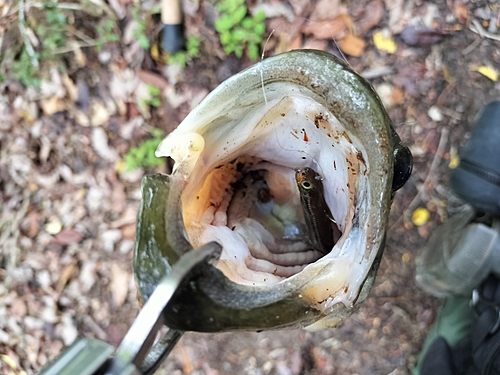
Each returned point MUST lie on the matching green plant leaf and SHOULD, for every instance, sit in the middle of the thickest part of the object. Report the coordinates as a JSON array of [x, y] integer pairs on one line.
[[260, 29], [260, 17], [238, 51], [239, 35], [238, 31], [193, 46], [239, 14], [153, 90], [144, 41], [144, 155], [157, 134], [247, 23], [156, 102], [253, 51], [224, 23], [225, 38]]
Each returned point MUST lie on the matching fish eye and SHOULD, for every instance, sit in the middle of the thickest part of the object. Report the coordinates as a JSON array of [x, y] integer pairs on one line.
[[306, 185]]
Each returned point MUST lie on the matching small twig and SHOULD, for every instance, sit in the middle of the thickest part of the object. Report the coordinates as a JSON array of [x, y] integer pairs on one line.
[[75, 46], [478, 29], [451, 113], [27, 43], [435, 163], [96, 328], [377, 72], [443, 95], [79, 34], [472, 46], [65, 6]]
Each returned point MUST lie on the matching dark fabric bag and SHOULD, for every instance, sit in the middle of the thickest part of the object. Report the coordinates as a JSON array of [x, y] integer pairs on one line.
[[475, 355], [486, 332]]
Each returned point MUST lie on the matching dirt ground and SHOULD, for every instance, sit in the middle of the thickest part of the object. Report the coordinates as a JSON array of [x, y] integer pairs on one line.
[[68, 207]]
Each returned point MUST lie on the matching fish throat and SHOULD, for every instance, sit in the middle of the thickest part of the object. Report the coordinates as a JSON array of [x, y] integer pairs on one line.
[[242, 190]]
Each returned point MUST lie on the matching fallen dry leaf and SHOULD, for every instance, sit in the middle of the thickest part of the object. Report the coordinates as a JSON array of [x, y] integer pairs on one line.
[[399, 14], [68, 236], [101, 146], [316, 44], [70, 87], [83, 95], [274, 10], [81, 118], [299, 7], [52, 105], [128, 217], [327, 10], [286, 44], [435, 113], [420, 216], [454, 158], [118, 7], [9, 361], [384, 43], [110, 238], [336, 28], [295, 43], [283, 28], [80, 58], [152, 79], [66, 274], [371, 17], [187, 363], [386, 93], [53, 227], [128, 231], [422, 36], [461, 12], [158, 55], [397, 95], [119, 285], [98, 113], [18, 307], [352, 45], [33, 224], [119, 196], [486, 71]]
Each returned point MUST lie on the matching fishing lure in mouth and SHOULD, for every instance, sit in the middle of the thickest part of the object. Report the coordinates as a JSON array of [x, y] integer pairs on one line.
[[322, 232]]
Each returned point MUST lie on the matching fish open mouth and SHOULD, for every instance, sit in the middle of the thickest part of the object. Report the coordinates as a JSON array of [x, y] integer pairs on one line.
[[241, 189], [259, 163]]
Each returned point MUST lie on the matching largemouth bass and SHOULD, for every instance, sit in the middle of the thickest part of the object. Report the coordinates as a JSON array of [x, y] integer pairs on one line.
[[233, 182]]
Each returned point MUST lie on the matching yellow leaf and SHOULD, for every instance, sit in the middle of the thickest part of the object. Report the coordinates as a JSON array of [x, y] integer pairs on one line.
[[158, 55], [52, 105], [352, 45], [454, 159], [121, 166], [486, 71], [384, 44], [420, 216], [53, 227], [9, 361]]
